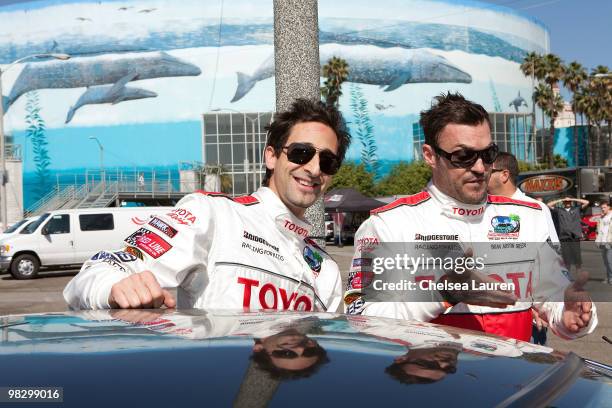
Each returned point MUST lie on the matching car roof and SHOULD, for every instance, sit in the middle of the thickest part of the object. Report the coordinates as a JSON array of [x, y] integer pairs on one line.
[[212, 358]]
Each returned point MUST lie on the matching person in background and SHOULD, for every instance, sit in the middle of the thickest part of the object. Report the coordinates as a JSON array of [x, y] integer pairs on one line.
[[503, 182], [570, 231], [604, 239]]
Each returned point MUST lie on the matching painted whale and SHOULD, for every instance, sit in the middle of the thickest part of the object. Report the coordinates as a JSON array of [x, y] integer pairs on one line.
[[386, 67], [518, 102], [109, 94], [98, 70]]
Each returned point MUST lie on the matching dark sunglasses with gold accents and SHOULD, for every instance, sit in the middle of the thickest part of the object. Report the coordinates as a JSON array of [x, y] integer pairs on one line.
[[302, 153], [465, 158]]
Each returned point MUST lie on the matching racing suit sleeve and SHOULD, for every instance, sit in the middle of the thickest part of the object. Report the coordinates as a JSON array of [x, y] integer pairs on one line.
[[171, 246], [549, 292], [372, 233]]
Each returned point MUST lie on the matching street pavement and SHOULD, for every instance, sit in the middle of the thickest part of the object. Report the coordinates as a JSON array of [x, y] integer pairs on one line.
[[44, 294]]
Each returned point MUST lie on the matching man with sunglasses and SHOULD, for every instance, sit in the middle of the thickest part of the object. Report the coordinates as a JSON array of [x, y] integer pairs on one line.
[[249, 252], [455, 209]]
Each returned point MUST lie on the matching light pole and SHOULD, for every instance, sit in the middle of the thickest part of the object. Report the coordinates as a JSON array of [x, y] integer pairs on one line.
[[3, 175], [101, 157], [253, 142]]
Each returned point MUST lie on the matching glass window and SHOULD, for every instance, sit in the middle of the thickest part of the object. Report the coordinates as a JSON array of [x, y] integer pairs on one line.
[[224, 124], [237, 123], [16, 225], [225, 153], [30, 228], [210, 124], [211, 154], [238, 153], [240, 187], [96, 222], [58, 224]]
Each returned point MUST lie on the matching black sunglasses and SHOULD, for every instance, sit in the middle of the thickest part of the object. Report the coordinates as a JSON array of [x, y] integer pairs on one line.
[[290, 354], [302, 153], [465, 158]]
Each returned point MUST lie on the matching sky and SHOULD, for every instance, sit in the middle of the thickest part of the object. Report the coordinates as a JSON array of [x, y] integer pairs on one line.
[[580, 30]]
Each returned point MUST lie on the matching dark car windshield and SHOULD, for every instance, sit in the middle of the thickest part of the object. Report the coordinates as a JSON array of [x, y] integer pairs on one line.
[[30, 228], [14, 227]]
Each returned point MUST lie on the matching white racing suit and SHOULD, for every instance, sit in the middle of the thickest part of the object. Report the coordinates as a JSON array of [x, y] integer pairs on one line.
[[515, 238], [220, 253]]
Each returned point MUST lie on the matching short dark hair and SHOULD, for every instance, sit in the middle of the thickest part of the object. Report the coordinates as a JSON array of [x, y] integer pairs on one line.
[[450, 108], [305, 110], [507, 161], [264, 362]]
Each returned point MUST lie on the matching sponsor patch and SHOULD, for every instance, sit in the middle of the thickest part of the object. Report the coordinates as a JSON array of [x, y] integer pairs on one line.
[[118, 256], [436, 237], [252, 237], [505, 227], [291, 226], [467, 212], [182, 216], [125, 256], [313, 259], [163, 227], [134, 251], [357, 262], [356, 307], [103, 255], [360, 280], [149, 242], [351, 297]]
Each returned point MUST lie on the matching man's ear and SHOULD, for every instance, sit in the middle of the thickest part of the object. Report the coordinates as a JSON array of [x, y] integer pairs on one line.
[[429, 156], [257, 347], [505, 176], [270, 157]]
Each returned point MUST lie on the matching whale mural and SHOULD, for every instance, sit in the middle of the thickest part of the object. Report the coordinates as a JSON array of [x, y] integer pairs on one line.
[[518, 102], [175, 61], [112, 94], [389, 68], [99, 70]]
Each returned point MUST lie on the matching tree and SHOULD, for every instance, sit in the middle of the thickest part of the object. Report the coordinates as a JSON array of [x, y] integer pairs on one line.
[[551, 104], [353, 175], [364, 129], [405, 178], [554, 71], [36, 133], [573, 78], [335, 73]]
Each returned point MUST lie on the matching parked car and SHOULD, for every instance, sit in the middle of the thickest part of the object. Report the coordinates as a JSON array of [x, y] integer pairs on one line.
[[196, 358], [69, 237]]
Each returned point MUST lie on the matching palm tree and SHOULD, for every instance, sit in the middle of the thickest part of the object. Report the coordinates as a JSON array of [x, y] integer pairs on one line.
[[551, 104], [336, 72], [553, 70], [573, 79], [600, 108]]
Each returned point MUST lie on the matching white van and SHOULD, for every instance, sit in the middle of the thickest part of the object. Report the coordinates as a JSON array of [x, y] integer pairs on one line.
[[69, 237], [17, 227]]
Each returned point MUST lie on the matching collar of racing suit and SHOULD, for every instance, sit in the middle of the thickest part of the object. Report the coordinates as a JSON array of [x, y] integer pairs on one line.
[[453, 208], [286, 221]]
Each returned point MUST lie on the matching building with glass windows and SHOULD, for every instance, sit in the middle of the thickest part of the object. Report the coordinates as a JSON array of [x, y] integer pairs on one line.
[[512, 132], [235, 141]]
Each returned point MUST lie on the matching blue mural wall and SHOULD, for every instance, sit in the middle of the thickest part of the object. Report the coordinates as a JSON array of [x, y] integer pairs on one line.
[[142, 73]]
